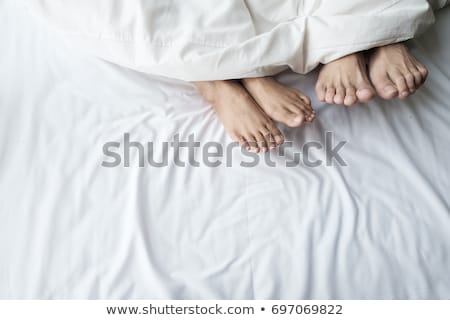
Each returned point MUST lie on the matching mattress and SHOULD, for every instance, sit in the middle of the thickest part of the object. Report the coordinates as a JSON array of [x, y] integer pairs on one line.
[[372, 226]]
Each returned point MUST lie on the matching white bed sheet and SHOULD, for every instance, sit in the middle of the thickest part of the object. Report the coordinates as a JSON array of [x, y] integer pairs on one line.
[[70, 228]]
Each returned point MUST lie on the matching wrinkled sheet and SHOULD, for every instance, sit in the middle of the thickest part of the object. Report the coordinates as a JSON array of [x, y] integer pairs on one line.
[[70, 228], [210, 40]]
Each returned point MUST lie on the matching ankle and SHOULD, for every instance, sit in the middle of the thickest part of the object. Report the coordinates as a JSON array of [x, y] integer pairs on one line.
[[395, 46], [256, 83], [207, 89]]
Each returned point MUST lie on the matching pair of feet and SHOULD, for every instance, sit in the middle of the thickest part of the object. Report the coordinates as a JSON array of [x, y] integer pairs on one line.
[[389, 72], [249, 107]]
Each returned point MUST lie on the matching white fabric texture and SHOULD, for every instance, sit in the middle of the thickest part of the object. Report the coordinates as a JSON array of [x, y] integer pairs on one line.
[[439, 4], [72, 229], [212, 40]]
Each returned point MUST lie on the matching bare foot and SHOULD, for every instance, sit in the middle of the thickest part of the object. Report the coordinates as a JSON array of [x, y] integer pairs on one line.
[[345, 81], [279, 102], [241, 116], [395, 72]]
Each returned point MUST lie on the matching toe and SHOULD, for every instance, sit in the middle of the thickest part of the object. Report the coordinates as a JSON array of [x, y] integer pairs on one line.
[[384, 86], [306, 113], [270, 139], [279, 140], [272, 142], [244, 143], [262, 143], [329, 96], [350, 96], [276, 134], [410, 82], [296, 115], [308, 116], [402, 86], [418, 79], [420, 75], [364, 95], [306, 100], [290, 116], [340, 95], [253, 143], [320, 91], [297, 120], [423, 71], [308, 110], [305, 109], [311, 117], [364, 91]]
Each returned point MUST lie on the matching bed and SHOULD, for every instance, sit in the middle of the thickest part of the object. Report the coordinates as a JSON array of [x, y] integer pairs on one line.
[[376, 227]]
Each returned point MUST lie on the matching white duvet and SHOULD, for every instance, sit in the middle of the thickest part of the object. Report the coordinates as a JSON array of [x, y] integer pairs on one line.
[[202, 40]]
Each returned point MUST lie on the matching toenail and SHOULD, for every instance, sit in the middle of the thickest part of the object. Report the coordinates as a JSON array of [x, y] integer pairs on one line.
[[390, 89], [298, 119], [279, 139]]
